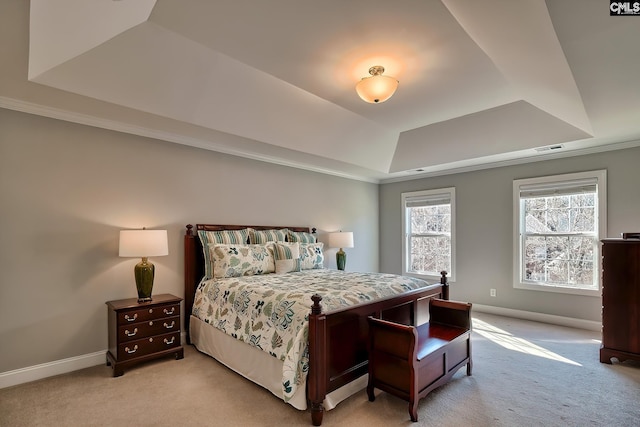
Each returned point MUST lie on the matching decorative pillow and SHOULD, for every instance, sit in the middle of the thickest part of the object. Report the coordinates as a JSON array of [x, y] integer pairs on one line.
[[223, 236], [311, 256], [287, 257], [301, 236], [264, 236], [231, 260]]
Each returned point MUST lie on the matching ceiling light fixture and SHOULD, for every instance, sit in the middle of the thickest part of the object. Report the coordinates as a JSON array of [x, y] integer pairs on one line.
[[377, 88]]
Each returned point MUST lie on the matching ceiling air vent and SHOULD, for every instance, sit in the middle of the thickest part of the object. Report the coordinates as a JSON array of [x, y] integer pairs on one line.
[[549, 148]]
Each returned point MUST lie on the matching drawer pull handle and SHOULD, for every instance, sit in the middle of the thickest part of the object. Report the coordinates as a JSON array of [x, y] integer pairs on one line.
[[135, 348], [130, 319], [131, 334], [173, 323], [167, 342], [169, 312]]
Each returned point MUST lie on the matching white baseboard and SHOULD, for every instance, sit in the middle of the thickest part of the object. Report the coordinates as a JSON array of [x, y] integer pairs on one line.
[[49, 369], [540, 317], [32, 373]]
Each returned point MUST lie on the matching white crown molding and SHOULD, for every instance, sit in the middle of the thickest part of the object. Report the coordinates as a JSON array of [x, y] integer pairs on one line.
[[84, 119], [74, 117], [540, 317], [512, 162]]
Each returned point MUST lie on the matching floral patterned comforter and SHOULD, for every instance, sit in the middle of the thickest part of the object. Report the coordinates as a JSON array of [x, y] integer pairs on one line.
[[270, 311]]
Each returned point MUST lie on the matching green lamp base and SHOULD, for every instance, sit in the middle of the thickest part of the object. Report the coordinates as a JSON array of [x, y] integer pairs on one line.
[[341, 259], [144, 272]]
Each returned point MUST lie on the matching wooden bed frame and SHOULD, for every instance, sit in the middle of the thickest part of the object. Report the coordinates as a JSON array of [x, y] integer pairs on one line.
[[337, 339]]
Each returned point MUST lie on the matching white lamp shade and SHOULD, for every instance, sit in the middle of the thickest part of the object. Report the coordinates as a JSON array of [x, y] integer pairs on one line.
[[376, 89], [143, 243], [342, 239]]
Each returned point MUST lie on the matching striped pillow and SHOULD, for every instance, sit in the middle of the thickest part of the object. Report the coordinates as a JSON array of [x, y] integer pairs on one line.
[[257, 237], [237, 237], [287, 257], [301, 236]]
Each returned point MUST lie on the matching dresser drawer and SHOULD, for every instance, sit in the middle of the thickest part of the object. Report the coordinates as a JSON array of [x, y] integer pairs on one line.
[[140, 330], [126, 317], [142, 347]]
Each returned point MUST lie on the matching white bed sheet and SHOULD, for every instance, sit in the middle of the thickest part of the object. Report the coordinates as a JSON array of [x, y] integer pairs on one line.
[[258, 366]]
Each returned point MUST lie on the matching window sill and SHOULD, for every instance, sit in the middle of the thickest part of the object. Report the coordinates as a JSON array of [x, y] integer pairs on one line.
[[429, 277], [559, 289]]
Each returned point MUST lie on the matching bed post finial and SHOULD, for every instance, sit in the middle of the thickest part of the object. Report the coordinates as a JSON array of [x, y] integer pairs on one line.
[[189, 230], [316, 308], [444, 281]]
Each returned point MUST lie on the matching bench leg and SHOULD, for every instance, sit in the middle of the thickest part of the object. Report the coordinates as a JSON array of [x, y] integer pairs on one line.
[[470, 362], [413, 410], [372, 396]]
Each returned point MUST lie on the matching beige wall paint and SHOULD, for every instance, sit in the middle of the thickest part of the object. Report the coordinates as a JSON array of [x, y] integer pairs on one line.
[[66, 190], [484, 221]]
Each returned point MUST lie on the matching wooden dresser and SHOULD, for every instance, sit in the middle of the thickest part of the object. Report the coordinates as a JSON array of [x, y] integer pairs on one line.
[[620, 300], [143, 331]]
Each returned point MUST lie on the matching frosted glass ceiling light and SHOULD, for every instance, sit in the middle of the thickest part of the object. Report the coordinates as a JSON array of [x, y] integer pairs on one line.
[[377, 88]]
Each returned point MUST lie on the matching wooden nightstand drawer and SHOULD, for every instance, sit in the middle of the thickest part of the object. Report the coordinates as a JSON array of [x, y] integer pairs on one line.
[[145, 346], [148, 313], [136, 331], [143, 331]]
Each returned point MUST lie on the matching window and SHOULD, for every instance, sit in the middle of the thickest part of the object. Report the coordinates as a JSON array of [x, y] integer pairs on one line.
[[558, 222], [428, 229]]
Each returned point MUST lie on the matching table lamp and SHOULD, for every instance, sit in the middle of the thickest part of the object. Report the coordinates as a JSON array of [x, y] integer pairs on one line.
[[143, 243], [341, 239]]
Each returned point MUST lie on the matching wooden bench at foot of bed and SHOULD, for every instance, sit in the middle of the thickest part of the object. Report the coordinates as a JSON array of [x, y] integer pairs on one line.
[[409, 362], [338, 340]]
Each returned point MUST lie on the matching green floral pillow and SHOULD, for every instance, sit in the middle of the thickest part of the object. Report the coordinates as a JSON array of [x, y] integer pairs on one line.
[[264, 236], [231, 260], [301, 236], [311, 256], [239, 237], [287, 257]]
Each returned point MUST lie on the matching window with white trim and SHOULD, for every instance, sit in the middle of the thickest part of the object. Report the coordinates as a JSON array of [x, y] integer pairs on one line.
[[558, 224], [428, 230]]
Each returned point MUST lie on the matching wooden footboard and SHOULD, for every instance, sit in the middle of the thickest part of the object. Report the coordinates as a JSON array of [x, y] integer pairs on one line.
[[338, 340]]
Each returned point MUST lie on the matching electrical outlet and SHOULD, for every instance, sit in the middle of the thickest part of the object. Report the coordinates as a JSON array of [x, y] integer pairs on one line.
[[492, 292]]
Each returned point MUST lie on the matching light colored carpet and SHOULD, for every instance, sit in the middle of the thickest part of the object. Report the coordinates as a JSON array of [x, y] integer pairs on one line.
[[525, 374]]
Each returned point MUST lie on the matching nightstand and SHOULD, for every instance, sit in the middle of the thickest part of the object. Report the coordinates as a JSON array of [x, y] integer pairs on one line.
[[143, 331]]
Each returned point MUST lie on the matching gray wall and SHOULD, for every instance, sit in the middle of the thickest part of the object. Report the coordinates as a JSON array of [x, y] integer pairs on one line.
[[484, 224], [66, 190]]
